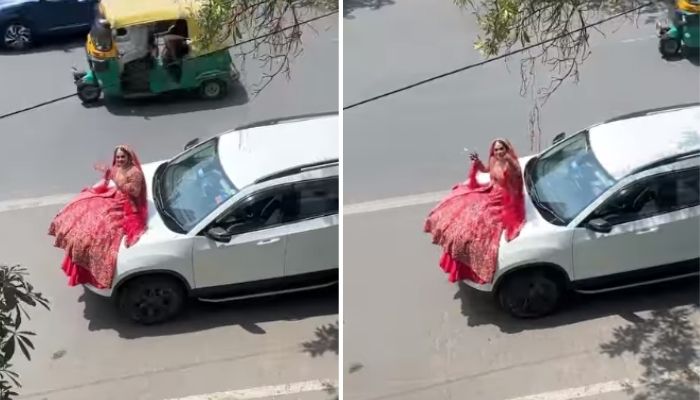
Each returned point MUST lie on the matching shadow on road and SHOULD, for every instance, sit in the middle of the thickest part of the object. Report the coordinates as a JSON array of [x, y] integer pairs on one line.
[[174, 103], [66, 44], [327, 337], [666, 345], [327, 340], [480, 309], [199, 316], [349, 6], [692, 57]]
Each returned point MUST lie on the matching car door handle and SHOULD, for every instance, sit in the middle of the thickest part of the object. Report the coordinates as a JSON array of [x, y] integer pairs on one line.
[[269, 241]]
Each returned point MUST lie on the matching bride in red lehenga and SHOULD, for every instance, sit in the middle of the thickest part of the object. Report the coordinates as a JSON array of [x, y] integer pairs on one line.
[[91, 227], [469, 222]]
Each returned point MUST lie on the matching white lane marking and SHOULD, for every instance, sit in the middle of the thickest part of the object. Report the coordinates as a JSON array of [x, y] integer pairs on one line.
[[350, 209], [393, 202], [35, 202], [598, 389], [639, 39], [266, 391]]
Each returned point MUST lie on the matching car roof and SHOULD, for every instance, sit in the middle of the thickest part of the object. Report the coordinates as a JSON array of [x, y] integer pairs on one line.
[[252, 153], [625, 145]]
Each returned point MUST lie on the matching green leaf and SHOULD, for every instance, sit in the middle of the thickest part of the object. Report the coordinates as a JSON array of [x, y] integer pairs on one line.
[[24, 349], [18, 320], [8, 349]]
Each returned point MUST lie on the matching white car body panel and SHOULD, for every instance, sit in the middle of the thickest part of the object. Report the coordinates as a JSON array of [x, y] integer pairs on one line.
[[659, 240], [318, 236], [241, 259]]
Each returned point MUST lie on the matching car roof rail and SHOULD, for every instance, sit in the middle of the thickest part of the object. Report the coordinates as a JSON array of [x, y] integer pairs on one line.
[[643, 113], [298, 169], [667, 160], [273, 121]]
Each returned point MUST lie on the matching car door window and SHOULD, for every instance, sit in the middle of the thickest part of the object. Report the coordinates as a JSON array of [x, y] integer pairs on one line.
[[260, 210], [312, 199], [652, 196]]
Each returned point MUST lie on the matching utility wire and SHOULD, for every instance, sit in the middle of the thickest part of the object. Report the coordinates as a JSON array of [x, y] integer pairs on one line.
[[57, 99], [478, 64]]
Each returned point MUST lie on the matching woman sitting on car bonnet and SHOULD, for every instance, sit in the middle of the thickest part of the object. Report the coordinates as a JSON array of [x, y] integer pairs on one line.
[[91, 227], [469, 222]]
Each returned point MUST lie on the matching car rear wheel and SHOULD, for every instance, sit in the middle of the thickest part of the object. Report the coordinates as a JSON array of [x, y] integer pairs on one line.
[[530, 294], [16, 36], [151, 299]]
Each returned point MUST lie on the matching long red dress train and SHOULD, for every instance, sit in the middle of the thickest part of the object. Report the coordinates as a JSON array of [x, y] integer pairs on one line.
[[469, 222], [91, 227]]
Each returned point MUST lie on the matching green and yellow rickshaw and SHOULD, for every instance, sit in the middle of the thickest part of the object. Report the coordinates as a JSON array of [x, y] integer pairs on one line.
[[684, 31], [140, 48]]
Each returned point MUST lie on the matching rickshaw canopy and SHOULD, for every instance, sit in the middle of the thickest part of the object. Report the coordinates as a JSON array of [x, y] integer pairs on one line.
[[689, 6], [124, 13]]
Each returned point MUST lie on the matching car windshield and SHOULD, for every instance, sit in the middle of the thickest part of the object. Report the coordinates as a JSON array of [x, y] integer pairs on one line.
[[193, 185], [566, 179]]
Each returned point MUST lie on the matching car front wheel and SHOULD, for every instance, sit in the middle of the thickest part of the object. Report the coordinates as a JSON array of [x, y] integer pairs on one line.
[[16, 36], [530, 294], [151, 299]]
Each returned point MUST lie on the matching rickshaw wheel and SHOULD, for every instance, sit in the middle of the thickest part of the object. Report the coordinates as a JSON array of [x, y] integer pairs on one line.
[[88, 92], [213, 89], [669, 47]]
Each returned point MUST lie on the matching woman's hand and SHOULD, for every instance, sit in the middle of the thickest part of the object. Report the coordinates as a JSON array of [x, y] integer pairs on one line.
[[101, 167], [474, 156]]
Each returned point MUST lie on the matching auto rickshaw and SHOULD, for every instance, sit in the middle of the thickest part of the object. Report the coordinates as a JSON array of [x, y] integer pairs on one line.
[[684, 31], [140, 48]]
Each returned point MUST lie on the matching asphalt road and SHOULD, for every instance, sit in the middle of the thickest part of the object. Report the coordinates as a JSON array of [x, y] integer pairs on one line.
[[408, 333], [83, 351], [54, 148]]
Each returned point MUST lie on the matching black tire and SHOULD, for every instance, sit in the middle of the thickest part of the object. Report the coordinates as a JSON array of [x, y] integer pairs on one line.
[[16, 35], [530, 294], [89, 92], [151, 300], [213, 89], [669, 47]]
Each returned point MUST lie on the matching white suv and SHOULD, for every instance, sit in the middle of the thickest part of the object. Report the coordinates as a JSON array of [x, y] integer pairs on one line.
[[613, 206], [247, 213]]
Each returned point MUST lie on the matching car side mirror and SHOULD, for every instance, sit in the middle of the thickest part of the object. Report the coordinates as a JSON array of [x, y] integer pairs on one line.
[[599, 225], [191, 143], [218, 234], [559, 138]]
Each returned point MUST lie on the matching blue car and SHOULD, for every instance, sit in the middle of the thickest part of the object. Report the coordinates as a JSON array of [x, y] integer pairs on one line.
[[24, 21]]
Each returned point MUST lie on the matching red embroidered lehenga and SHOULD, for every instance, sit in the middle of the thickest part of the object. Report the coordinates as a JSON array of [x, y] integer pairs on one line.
[[468, 223], [91, 227]]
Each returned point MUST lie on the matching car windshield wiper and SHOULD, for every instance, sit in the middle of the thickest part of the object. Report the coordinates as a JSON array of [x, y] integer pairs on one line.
[[535, 197]]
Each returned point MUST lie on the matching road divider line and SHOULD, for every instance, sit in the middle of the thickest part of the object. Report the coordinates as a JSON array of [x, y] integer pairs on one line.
[[35, 202], [350, 209], [639, 39], [393, 202], [267, 391], [598, 389]]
